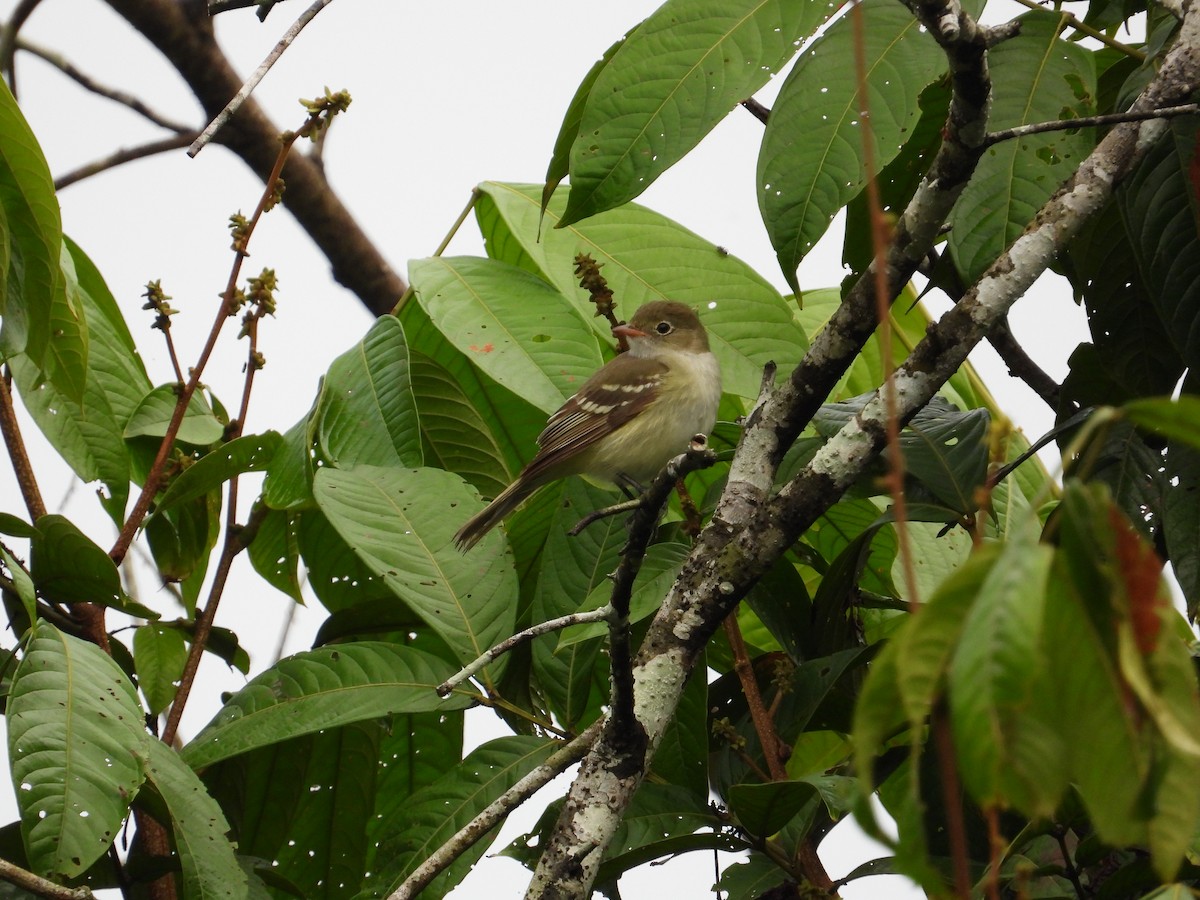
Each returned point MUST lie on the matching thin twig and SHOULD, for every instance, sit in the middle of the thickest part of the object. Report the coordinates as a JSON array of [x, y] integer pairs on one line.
[[880, 238], [756, 109], [236, 540], [122, 156], [557, 763], [521, 637], [8, 40], [22, 467], [41, 886], [764, 727], [952, 800], [1083, 28], [88, 83], [252, 82], [1020, 131], [605, 512], [154, 476]]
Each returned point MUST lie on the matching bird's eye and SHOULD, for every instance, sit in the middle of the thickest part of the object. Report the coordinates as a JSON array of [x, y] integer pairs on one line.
[[663, 328]]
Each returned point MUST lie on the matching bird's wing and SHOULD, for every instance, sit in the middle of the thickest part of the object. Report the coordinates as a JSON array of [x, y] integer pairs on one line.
[[618, 391]]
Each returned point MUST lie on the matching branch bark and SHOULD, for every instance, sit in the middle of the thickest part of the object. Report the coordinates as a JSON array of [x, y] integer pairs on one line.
[[182, 32], [751, 528]]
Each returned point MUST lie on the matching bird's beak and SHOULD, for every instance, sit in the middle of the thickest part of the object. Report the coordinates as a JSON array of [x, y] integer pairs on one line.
[[627, 331]]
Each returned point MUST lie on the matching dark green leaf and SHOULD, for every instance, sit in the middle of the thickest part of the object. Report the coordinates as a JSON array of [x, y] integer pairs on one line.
[[367, 414], [250, 453], [401, 523], [16, 526], [75, 738], [1178, 419], [275, 552], [1181, 522], [674, 78], [68, 568], [810, 164], [323, 688], [764, 809], [210, 867], [159, 654]]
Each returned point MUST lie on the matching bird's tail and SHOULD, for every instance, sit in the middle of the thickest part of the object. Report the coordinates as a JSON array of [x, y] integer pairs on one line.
[[479, 525]]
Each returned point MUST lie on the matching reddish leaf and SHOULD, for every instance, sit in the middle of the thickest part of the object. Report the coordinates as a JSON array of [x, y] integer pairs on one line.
[[1140, 571]]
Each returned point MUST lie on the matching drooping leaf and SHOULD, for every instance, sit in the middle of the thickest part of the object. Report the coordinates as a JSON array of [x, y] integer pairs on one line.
[[323, 688], [367, 414], [159, 654], [275, 552], [764, 809], [68, 568], [1177, 419], [646, 257], [436, 812], [198, 828], [810, 164], [400, 523], [32, 237], [672, 80], [67, 350], [513, 326], [75, 738], [1037, 77]]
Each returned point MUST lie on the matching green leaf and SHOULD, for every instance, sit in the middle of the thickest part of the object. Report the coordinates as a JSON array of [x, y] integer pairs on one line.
[[67, 356], [516, 328], [1008, 754], [30, 269], [160, 654], [682, 755], [401, 524], [1159, 209], [275, 552], [659, 568], [16, 526], [764, 809], [755, 877], [456, 436], [68, 568], [22, 583], [182, 538], [1037, 77], [75, 738], [337, 576], [250, 453], [367, 414], [288, 484], [1178, 419], [1181, 522], [647, 257], [153, 415], [810, 164], [674, 78], [323, 688], [435, 813], [198, 827]]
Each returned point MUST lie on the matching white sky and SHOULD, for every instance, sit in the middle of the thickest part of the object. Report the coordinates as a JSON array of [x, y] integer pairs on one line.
[[446, 95]]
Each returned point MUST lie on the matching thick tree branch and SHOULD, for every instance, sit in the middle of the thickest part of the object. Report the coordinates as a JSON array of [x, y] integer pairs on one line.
[[183, 33], [751, 528], [35, 884]]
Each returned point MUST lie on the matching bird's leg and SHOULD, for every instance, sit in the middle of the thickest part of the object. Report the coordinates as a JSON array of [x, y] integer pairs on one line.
[[629, 485]]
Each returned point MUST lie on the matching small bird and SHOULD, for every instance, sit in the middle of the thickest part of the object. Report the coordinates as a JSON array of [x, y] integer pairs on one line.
[[639, 410]]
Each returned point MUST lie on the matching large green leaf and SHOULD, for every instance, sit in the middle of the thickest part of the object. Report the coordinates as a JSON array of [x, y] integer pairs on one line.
[[323, 688], [67, 356], [159, 654], [672, 80], [75, 738], [519, 330], [433, 814], [89, 436], [400, 523], [198, 827], [810, 164], [367, 414], [1037, 77], [646, 257], [1159, 208], [68, 568], [30, 272], [275, 552]]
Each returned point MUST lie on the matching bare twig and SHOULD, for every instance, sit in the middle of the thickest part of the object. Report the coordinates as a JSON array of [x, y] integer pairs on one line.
[[1020, 131], [252, 82], [18, 456], [951, 800], [85, 81], [559, 761], [521, 637], [8, 40], [122, 156], [37, 885], [1084, 28], [756, 109]]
